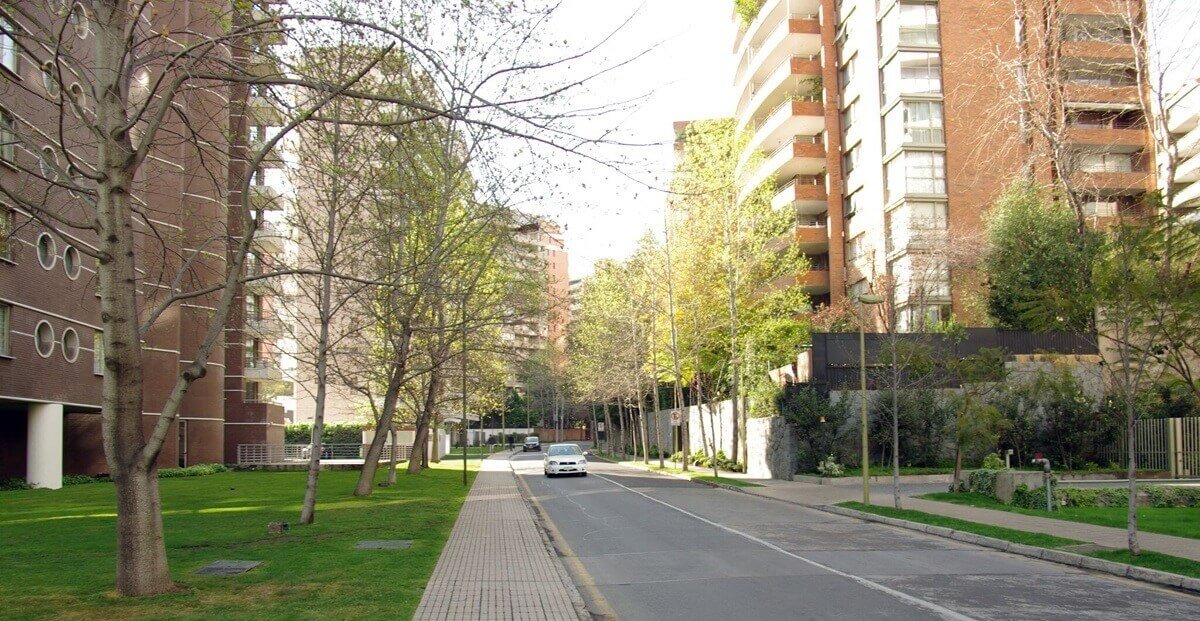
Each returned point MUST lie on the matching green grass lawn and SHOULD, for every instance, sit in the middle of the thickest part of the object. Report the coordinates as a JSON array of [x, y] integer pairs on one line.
[[57, 555], [696, 472], [725, 480], [1149, 560], [1178, 521]]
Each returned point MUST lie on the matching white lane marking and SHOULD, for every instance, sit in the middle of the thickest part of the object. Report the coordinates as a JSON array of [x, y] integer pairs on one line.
[[941, 611]]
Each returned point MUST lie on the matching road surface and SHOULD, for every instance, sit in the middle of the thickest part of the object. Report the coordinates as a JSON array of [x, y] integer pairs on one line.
[[643, 546]]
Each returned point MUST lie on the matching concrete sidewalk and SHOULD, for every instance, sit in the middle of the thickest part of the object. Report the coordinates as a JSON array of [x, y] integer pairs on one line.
[[811, 494], [496, 564]]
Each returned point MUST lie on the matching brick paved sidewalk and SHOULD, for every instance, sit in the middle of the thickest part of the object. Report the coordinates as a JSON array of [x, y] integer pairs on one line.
[[496, 564]]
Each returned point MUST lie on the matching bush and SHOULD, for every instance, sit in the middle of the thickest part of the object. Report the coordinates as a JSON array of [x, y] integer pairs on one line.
[[830, 468], [191, 471], [747, 10], [331, 434], [992, 461], [1169, 496], [81, 479], [817, 424], [1090, 497], [982, 482], [1024, 496], [10, 485]]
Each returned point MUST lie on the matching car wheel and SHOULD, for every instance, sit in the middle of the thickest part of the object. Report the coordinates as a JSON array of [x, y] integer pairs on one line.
[[583, 474]]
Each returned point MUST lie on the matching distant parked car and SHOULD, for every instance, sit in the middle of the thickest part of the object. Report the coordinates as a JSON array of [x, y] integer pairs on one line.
[[532, 443], [565, 459]]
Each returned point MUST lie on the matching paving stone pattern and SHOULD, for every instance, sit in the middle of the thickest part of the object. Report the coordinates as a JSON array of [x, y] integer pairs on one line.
[[496, 565]]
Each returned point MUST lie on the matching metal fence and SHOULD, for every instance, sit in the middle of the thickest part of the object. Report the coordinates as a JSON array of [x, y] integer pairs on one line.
[[280, 454], [1171, 444]]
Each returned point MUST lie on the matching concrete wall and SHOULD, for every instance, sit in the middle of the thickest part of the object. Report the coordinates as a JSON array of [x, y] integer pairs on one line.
[[719, 419], [770, 451]]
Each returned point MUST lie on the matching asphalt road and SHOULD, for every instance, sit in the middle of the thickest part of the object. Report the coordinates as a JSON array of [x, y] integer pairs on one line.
[[642, 546]]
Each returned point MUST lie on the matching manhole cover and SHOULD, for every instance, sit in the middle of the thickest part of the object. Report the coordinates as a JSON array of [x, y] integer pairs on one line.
[[227, 568], [384, 544]]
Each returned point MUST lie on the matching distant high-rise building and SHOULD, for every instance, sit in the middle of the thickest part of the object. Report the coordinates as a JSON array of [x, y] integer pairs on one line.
[[890, 126], [541, 253]]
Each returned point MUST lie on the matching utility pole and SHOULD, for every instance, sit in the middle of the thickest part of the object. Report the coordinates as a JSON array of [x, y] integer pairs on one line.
[[466, 425]]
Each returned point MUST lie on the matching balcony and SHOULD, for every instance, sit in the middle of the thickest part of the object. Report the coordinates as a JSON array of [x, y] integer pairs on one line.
[[262, 65], [802, 155], [270, 237], [1080, 92], [1189, 144], [790, 35], [1115, 181], [263, 110], [1188, 170], [272, 158], [804, 192], [265, 197], [794, 116], [812, 234], [768, 17], [263, 327], [1107, 136], [793, 76], [1188, 196], [1092, 48], [263, 370], [816, 280]]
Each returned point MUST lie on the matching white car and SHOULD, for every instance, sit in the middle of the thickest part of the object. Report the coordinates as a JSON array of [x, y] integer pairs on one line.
[[565, 459]]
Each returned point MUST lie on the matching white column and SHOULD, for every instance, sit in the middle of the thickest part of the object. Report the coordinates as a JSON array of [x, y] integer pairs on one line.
[[44, 447]]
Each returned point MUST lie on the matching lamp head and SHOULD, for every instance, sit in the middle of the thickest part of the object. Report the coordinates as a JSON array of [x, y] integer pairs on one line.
[[870, 298]]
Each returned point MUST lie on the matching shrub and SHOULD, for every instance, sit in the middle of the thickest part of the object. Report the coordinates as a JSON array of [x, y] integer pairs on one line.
[[982, 482], [992, 461], [747, 10], [191, 471], [830, 468], [1170, 496], [331, 434], [9, 485], [81, 479], [1090, 497]]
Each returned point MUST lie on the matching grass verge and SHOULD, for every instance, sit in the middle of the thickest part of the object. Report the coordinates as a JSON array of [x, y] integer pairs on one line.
[[695, 473], [1177, 521], [1149, 560], [58, 551]]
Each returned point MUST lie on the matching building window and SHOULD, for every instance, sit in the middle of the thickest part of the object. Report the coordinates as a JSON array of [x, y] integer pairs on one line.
[[849, 160], [1106, 162], [1100, 208], [70, 344], [913, 123], [854, 249], [921, 318], [43, 339], [912, 73], [98, 352], [250, 392], [925, 172], [8, 137], [1100, 28], [71, 262], [47, 251], [49, 163], [5, 320], [7, 229], [9, 55], [80, 20], [1102, 76]]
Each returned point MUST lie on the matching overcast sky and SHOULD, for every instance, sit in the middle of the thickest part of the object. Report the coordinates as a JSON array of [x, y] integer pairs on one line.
[[686, 75]]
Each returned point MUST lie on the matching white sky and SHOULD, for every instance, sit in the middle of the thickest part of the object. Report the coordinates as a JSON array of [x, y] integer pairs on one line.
[[686, 75]]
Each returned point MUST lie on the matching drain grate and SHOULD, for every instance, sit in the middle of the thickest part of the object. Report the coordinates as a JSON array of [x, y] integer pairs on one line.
[[383, 544], [227, 568]]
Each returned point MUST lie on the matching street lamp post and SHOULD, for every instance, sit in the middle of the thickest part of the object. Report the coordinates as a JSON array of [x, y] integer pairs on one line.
[[866, 299]]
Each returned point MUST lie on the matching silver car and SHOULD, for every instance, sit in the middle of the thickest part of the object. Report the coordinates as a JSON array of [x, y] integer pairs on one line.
[[565, 459]]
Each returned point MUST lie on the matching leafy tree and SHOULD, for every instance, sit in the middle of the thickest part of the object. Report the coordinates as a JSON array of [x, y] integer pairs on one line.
[[1036, 263]]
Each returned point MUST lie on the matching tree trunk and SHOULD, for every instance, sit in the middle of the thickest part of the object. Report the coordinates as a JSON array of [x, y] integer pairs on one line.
[[1135, 547], [662, 447], [395, 456], [371, 460], [141, 551], [420, 457], [700, 416], [712, 422], [896, 449], [608, 430]]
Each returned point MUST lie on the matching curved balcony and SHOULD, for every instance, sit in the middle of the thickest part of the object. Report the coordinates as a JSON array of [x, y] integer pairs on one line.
[[802, 155], [793, 76], [270, 237], [795, 116], [792, 35], [812, 234], [805, 193], [768, 16], [263, 369], [263, 110], [266, 197]]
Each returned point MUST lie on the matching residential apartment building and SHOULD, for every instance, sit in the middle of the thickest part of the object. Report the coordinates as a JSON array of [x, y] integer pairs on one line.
[[254, 373], [890, 127], [540, 252], [51, 356], [1183, 121]]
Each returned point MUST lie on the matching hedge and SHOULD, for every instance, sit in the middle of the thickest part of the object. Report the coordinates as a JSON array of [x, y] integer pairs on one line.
[[332, 434], [984, 482], [81, 479]]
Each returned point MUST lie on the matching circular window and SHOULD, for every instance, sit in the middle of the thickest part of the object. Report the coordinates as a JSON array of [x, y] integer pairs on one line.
[[48, 80], [71, 262], [49, 164], [47, 251], [70, 344], [79, 19], [43, 339], [58, 6]]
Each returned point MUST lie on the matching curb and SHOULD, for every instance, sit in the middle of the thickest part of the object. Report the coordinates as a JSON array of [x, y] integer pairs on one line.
[[573, 593], [1121, 570]]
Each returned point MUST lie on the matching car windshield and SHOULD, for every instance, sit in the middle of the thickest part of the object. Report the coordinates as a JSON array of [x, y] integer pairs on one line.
[[565, 449], [531, 439]]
